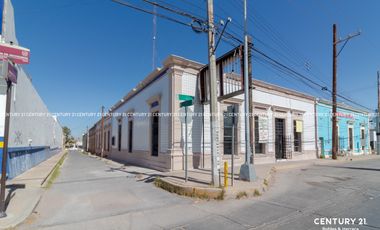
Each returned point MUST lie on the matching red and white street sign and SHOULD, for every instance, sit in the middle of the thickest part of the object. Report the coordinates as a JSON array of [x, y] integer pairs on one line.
[[17, 54]]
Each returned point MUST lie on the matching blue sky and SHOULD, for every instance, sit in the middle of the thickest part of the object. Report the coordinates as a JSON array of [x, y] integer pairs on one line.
[[89, 53]]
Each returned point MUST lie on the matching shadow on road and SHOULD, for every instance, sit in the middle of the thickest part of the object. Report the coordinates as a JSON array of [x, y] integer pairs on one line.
[[350, 167]]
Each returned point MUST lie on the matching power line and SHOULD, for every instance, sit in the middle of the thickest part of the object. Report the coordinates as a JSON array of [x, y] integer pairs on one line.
[[322, 87], [235, 40], [154, 45], [151, 12]]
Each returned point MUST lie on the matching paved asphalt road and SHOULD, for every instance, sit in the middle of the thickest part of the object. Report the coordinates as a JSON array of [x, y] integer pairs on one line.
[[90, 195]]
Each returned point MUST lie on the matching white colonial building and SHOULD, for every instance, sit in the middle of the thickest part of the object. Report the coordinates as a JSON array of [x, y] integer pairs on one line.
[[146, 131]]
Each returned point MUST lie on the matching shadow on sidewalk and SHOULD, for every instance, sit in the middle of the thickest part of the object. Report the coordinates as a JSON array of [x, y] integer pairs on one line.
[[150, 177], [12, 188]]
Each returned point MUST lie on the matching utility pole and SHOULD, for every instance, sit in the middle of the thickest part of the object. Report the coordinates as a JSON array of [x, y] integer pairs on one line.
[[247, 170], [5, 149], [377, 115], [334, 87], [88, 140], [334, 105], [214, 127], [102, 134]]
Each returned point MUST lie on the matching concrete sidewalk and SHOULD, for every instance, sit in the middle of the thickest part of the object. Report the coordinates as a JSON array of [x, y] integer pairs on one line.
[[24, 192], [198, 184]]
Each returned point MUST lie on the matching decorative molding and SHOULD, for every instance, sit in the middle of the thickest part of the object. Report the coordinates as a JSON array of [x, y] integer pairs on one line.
[[152, 99]]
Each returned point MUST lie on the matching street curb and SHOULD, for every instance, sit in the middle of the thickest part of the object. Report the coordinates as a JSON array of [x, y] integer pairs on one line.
[[217, 193], [23, 217], [26, 214], [269, 179], [182, 190], [356, 158], [52, 170], [255, 191], [109, 161], [206, 193], [190, 191]]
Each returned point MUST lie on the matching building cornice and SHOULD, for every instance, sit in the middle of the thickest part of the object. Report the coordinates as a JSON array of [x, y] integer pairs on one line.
[[268, 86], [172, 62], [341, 106]]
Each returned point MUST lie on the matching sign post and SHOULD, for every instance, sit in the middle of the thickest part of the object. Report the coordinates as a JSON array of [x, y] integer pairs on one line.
[[9, 72], [186, 102]]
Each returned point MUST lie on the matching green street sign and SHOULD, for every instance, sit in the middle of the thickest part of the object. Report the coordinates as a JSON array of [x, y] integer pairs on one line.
[[186, 103], [184, 97]]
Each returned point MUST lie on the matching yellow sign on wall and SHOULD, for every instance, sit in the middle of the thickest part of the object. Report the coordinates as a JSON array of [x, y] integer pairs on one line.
[[299, 126]]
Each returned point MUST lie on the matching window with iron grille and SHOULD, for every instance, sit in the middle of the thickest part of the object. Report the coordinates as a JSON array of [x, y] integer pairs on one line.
[[297, 138], [259, 147]]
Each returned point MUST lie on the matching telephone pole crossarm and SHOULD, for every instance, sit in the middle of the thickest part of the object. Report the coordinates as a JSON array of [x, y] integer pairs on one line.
[[345, 40], [348, 37], [221, 34]]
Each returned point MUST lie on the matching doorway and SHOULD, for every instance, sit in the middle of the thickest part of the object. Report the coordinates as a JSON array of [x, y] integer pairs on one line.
[[362, 139], [228, 126], [130, 136], [350, 139], [280, 141], [154, 134], [119, 137]]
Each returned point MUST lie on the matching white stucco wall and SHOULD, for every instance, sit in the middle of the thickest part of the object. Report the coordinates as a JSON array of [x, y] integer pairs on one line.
[[141, 124], [307, 107], [30, 130], [269, 99], [31, 124]]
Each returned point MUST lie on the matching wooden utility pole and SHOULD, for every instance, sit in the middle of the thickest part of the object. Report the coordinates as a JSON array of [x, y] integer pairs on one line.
[[377, 115], [335, 140], [87, 140], [378, 91], [5, 150], [102, 135], [214, 127], [334, 103]]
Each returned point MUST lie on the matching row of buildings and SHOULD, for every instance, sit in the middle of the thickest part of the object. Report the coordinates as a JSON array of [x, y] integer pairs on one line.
[[143, 127]]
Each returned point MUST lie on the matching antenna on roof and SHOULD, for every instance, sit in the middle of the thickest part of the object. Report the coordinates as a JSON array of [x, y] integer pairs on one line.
[[154, 46]]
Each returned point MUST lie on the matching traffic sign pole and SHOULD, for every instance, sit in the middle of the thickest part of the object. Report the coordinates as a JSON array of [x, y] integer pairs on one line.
[[185, 144], [5, 150], [187, 101], [233, 146], [10, 55]]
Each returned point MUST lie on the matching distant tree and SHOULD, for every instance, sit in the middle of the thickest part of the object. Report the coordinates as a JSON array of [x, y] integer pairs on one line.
[[69, 140]]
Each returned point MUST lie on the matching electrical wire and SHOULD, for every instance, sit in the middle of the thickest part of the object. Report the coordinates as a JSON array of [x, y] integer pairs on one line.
[[151, 12], [236, 40]]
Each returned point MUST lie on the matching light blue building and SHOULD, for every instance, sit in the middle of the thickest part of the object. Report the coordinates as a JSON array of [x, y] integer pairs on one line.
[[353, 129]]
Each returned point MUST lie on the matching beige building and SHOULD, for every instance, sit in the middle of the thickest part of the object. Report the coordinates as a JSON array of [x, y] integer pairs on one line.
[[100, 137]]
